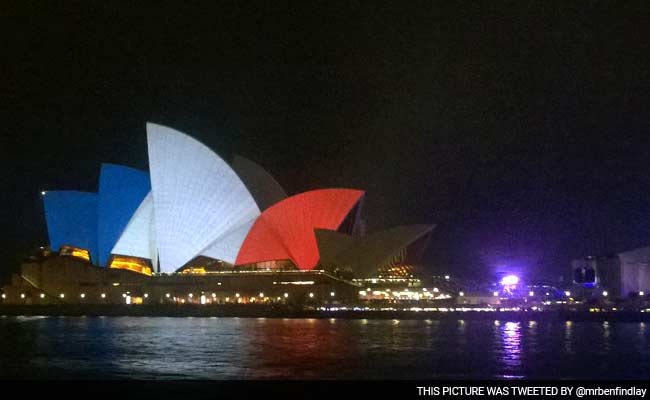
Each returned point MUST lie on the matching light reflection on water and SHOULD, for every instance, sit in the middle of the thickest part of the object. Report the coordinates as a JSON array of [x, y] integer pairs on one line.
[[267, 348], [568, 338], [508, 348]]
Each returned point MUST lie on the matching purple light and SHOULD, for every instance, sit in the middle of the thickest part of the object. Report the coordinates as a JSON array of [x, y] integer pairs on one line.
[[510, 280]]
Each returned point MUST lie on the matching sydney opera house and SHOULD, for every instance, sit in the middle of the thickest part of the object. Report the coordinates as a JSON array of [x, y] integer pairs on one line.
[[197, 230]]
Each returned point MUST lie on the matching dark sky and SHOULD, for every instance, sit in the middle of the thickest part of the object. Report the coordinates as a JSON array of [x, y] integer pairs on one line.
[[520, 129]]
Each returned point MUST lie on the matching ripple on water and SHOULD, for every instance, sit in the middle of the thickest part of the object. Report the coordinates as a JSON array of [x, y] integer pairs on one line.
[[267, 348]]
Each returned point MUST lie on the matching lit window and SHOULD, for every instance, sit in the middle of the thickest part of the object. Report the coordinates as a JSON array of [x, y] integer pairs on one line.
[[75, 252], [134, 264], [194, 270]]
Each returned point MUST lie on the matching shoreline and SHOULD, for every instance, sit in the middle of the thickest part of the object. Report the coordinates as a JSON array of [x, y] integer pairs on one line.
[[287, 312]]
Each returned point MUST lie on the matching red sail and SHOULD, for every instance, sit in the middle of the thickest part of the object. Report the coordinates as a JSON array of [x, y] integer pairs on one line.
[[286, 229]]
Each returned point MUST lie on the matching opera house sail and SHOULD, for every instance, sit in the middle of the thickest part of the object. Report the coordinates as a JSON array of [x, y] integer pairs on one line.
[[72, 221], [121, 190], [265, 189], [286, 230], [198, 199], [139, 238]]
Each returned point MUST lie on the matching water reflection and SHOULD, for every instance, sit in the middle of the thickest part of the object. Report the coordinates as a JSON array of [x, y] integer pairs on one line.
[[509, 354], [641, 343], [462, 334], [606, 344], [568, 338], [252, 348]]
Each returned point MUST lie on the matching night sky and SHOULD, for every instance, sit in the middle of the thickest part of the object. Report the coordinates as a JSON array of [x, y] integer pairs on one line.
[[520, 130]]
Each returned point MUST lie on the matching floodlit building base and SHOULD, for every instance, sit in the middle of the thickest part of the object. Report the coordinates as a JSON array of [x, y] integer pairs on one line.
[[69, 280]]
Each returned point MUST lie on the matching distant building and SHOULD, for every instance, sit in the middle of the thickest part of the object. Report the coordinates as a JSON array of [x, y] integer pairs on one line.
[[620, 275]]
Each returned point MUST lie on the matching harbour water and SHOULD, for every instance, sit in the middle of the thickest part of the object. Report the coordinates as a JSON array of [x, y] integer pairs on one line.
[[286, 348]]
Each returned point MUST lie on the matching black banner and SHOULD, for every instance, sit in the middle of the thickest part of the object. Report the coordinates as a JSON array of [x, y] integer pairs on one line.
[[334, 390]]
